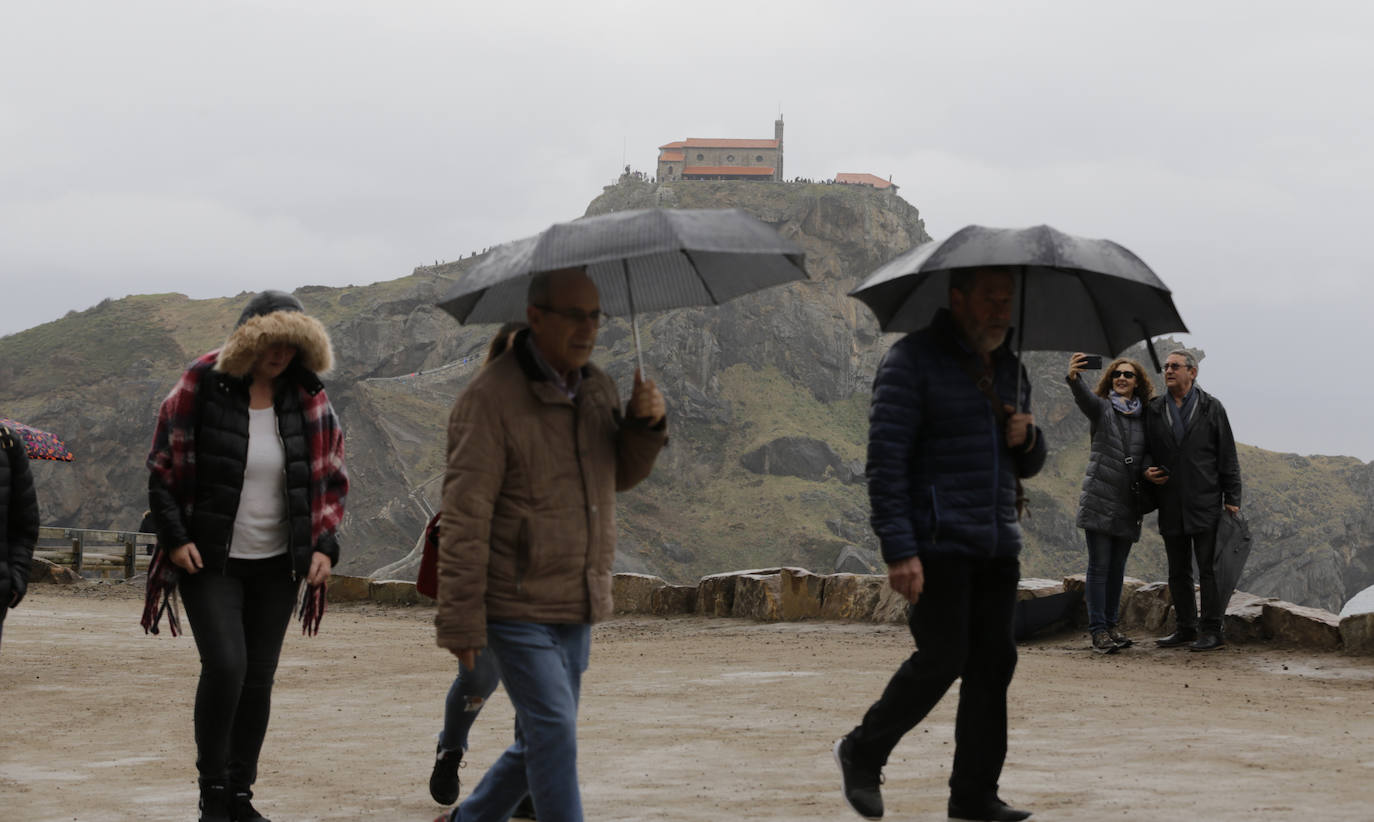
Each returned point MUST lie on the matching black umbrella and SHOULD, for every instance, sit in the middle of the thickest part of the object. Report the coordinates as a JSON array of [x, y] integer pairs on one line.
[[1233, 549], [1076, 294], [645, 260]]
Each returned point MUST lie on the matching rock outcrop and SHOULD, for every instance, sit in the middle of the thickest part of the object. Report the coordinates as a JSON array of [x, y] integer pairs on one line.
[[767, 396]]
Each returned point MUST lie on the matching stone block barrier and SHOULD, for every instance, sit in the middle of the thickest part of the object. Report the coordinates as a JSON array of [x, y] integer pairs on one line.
[[792, 594]]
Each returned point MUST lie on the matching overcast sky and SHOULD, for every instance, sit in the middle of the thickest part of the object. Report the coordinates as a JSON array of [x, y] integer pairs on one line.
[[210, 148]]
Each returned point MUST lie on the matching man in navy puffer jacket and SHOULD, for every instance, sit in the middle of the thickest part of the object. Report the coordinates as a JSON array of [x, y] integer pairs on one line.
[[944, 470]]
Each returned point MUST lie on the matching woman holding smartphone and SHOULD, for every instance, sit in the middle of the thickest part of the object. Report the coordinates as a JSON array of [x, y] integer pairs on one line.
[[1108, 511]]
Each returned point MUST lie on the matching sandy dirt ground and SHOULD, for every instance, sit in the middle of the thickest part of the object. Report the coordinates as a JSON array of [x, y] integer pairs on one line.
[[682, 719]]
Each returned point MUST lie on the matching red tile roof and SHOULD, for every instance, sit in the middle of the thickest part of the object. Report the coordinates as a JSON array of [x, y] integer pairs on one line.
[[750, 171], [676, 144], [716, 142], [863, 179], [670, 157]]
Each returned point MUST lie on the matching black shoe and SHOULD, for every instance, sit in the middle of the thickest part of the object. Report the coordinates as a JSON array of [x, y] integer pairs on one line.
[[859, 786], [241, 807], [1182, 636], [214, 802], [525, 810], [1102, 643], [443, 780], [1121, 640], [1209, 641], [994, 810]]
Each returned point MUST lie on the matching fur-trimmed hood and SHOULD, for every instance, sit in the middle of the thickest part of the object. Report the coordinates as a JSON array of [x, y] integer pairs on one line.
[[273, 317]]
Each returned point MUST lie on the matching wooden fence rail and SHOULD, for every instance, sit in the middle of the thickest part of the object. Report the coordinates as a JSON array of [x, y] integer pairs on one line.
[[113, 550]]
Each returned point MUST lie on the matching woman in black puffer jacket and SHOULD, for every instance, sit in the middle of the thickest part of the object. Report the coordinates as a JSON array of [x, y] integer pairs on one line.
[[247, 487], [1107, 508], [18, 521]]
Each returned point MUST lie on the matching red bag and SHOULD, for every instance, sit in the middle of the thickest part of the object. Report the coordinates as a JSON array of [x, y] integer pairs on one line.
[[427, 581]]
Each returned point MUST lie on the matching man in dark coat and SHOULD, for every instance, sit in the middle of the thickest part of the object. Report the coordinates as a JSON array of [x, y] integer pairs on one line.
[[947, 449], [18, 521], [1195, 467]]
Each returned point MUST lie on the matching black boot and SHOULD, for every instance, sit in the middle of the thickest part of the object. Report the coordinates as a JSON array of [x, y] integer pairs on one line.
[[1208, 641], [241, 805], [214, 802], [1182, 636], [525, 810], [988, 810]]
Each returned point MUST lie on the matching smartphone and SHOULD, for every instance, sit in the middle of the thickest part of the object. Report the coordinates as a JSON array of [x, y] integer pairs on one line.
[[1092, 362], [1162, 469]]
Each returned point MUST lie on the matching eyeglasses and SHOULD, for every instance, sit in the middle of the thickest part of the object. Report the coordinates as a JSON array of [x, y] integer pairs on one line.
[[577, 315], [1118, 375], [1174, 366]]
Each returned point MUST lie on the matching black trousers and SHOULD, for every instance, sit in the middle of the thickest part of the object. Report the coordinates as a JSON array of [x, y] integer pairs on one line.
[[1180, 549], [239, 619], [963, 627]]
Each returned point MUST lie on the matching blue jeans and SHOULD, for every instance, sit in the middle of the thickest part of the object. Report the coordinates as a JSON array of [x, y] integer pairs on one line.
[[1106, 568], [469, 692], [541, 668]]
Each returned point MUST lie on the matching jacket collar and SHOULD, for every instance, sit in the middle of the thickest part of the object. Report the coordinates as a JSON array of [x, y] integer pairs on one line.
[[540, 383]]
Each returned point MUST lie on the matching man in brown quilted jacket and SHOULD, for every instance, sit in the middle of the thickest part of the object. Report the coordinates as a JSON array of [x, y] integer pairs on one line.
[[537, 448]]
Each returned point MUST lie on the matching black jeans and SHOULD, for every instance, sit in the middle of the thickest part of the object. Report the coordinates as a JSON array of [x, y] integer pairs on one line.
[[1180, 549], [239, 619], [963, 627]]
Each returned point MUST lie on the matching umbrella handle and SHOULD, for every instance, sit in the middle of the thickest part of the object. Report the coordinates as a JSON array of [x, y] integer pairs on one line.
[[1020, 340], [639, 354], [634, 320]]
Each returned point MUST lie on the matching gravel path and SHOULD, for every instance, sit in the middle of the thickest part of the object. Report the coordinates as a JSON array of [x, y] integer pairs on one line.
[[682, 719]]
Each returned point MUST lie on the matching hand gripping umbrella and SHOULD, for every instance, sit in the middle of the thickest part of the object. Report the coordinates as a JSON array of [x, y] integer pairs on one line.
[[1076, 294], [644, 260]]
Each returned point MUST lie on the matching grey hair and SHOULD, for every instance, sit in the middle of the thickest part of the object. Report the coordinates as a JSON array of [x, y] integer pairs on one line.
[[1188, 358], [541, 285]]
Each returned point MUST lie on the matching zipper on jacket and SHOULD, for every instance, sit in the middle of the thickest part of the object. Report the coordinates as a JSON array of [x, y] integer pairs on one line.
[[996, 473], [587, 503], [286, 493]]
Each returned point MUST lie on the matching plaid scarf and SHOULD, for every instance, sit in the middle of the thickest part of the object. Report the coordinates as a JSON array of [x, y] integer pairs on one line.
[[173, 461]]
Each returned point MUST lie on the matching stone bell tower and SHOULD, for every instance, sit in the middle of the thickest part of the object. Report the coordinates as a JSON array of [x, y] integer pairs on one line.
[[777, 135]]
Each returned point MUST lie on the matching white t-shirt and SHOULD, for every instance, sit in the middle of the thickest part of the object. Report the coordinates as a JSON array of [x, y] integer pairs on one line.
[[260, 528]]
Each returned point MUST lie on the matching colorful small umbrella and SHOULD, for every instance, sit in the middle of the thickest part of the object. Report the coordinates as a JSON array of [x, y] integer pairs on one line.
[[40, 444]]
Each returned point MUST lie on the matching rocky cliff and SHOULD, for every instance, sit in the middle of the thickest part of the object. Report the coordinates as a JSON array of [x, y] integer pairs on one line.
[[768, 397]]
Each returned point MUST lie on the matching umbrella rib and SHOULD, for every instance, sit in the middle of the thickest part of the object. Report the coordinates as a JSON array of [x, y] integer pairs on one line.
[[693, 263]]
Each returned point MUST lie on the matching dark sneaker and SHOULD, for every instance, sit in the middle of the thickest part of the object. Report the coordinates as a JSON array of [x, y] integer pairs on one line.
[[1121, 640], [994, 810], [525, 810], [1209, 641], [1102, 643], [1183, 636], [443, 780], [859, 786], [241, 807]]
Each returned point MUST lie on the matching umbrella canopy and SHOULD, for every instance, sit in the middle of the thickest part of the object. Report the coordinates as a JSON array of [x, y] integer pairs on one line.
[[645, 260], [1077, 294], [40, 445]]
